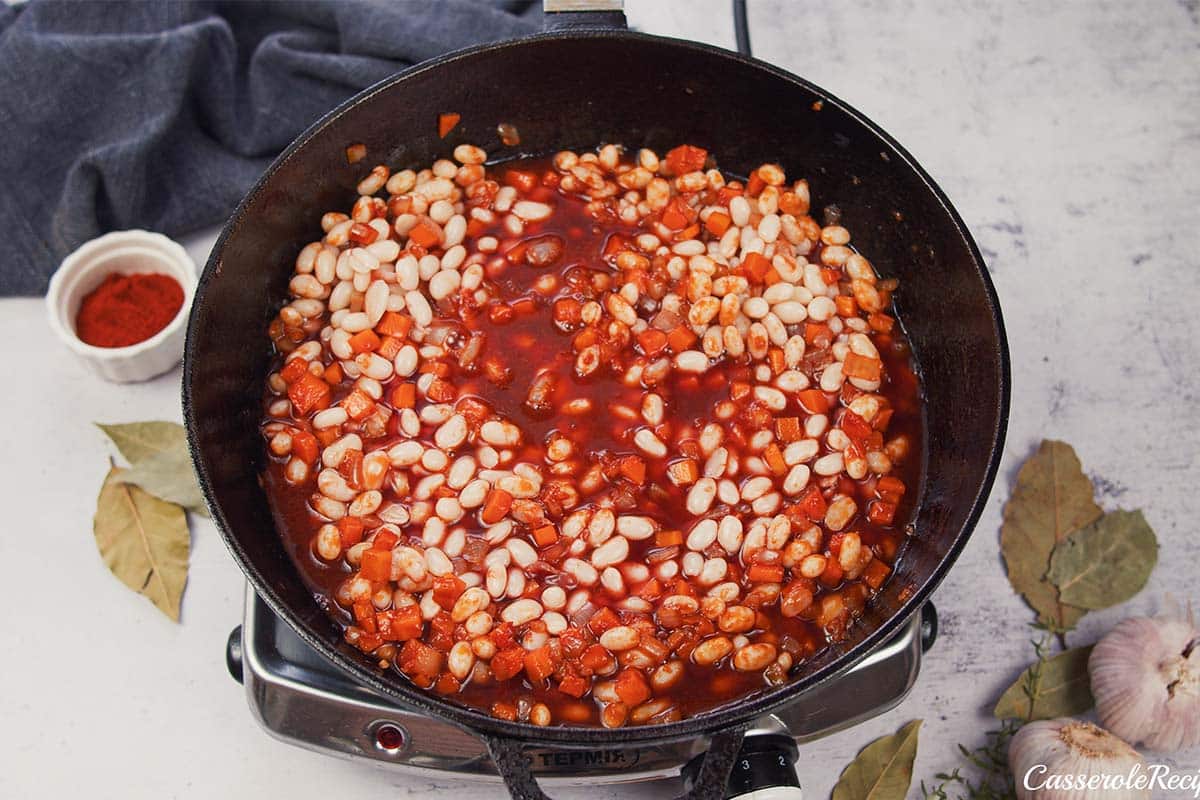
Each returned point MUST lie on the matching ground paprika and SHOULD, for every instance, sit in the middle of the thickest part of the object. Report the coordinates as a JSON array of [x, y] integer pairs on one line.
[[127, 309]]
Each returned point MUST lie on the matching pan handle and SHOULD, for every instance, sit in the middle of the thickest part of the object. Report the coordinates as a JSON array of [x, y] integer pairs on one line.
[[514, 766], [564, 15]]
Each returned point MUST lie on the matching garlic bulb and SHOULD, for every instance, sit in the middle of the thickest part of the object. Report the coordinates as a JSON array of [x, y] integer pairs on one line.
[[1146, 681], [1066, 759]]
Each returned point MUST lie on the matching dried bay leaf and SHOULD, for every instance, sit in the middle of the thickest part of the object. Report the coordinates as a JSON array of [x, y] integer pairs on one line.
[[1056, 687], [883, 769], [1052, 498], [1106, 563], [144, 541], [159, 461]]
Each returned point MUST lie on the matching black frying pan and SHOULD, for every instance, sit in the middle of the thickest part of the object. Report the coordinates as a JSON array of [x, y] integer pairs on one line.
[[578, 85]]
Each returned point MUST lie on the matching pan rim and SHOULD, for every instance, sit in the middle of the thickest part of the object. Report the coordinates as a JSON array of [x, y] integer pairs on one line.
[[737, 712]]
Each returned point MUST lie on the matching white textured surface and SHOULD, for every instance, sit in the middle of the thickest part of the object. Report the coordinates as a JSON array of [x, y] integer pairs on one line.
[[1068, 135]]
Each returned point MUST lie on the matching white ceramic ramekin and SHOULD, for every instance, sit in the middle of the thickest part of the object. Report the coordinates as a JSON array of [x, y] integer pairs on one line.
[[124, 252]]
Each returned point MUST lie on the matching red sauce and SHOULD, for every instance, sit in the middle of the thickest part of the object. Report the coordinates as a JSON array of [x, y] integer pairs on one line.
[[525, 336]]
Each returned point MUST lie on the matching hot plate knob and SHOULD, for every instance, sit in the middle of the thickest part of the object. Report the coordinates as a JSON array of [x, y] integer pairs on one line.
[[765, 769]]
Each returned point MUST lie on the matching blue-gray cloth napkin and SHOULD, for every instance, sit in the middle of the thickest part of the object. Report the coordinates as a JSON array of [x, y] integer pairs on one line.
[[160, 115]]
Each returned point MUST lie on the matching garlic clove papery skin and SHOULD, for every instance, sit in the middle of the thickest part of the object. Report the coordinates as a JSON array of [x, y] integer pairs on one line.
[[1043, 755], [1145, 677]]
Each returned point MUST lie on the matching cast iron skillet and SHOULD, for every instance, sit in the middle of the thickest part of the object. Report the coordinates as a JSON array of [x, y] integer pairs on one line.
[[576, 86]]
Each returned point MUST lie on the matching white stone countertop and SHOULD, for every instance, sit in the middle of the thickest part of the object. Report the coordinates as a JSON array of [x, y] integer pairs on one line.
[[1068, 136]]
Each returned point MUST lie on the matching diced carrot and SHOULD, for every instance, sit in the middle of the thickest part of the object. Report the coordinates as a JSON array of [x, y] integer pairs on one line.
[[508, 662], [812, 503], [446, 590], [304, 446], [333, 374], [876, 573], [362, 234], [447, 122], [765, 573], [309, 393], [739, 391], [651, 589], [668, 537], [717, 223], [447, 685], [573, 685], [503, 635], [364, 341], [545, 535], [652, 341], [846, 307], [596, 658], [351, 467], [863, 367], [351, 529], [886, 485], [358, 404], [676, 215], [882, 419], [363, 611], [774, 458], [772, 277], [788, 430], [400, 624], [376, 565], [425, 233], [404, 395], [881, 512], [393, 323], [634, 468], [293, 370], [602, 620], [684, 586], [389, 347], [495, 506], [881, 322], [680, 339], [790, 203], [855, 426], [420, 659], [327, 436], [385, 540], [833, 573], [755, 266], [813, 401], [441, 391], [817, 333], [776, 360], [683, 472], [542, 663], [632, 687], [729, 191], [755, 184], [685, 158]]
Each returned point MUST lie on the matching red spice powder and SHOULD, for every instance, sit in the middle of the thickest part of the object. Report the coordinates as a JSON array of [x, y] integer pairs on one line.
[[127, 309]]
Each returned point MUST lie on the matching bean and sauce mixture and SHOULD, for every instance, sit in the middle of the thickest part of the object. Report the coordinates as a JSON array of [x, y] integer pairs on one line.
[[604, 438]]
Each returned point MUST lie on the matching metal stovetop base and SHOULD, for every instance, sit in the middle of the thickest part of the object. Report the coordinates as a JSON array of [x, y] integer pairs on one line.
[[300, 698]]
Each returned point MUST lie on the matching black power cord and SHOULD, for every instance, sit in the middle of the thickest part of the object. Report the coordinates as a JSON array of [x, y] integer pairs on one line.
[[741, 27]]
